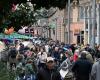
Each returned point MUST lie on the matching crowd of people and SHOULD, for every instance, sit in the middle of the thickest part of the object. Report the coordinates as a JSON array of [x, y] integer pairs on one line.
[[54, 60]]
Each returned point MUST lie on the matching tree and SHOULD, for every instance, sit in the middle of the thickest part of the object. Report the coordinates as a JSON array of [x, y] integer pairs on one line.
[[6, 7], [23, 16]]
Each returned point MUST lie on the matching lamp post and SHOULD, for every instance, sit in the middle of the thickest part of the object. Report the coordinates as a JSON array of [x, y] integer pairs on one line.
[[98, 24], [80, 36], [68, 29], [55, 20], [93, 22]]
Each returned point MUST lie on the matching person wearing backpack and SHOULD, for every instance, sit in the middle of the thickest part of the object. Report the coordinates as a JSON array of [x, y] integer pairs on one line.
[[48, 72], [12, 57]]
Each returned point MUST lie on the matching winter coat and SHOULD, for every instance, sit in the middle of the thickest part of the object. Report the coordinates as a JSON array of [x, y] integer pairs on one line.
[[97, 52], [66, 69], [46, 74], [75, 57], [29, 68], [82, 69], [95, 73], [12, 55], [91, 51], [56, 55]]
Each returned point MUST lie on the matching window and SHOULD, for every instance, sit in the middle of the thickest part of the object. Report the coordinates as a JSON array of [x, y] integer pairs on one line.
[[81, 13]]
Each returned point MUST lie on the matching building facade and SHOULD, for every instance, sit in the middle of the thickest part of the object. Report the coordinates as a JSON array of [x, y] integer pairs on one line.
[[57, 27], [90, 21], [81, 23]]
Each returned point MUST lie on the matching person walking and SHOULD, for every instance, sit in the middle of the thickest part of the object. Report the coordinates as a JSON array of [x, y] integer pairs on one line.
[[12, 53], [82, 68], [48, 72], [76, 55], [97, 51], [95, 73], [56, 54], [42, 55], [65, 67]]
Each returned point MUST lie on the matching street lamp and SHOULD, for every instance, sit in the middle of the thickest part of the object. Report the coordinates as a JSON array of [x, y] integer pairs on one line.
[[55, 29], [93, 22], [68, 21]]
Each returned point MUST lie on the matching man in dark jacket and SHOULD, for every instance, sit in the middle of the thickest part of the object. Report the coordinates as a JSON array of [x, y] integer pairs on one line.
[[73, 48], [56, 53], [12, 57], [95, 72], [48, 72], [82, 68]]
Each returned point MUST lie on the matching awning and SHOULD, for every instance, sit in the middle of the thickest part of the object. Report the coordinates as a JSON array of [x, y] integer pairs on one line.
[[13, 36]]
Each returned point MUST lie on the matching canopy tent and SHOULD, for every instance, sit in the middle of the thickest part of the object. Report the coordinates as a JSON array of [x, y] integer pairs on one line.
[[14, 36]]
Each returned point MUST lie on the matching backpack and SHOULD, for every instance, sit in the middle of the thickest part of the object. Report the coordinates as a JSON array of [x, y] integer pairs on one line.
[[13, 53]]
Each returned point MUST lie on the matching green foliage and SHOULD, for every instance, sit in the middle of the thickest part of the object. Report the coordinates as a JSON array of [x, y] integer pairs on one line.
[[5, 74], [23, 16]]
